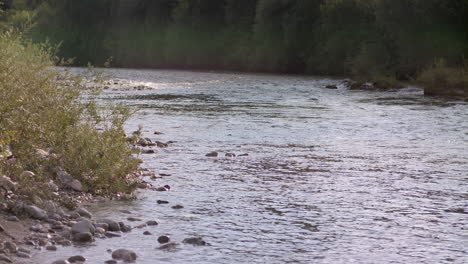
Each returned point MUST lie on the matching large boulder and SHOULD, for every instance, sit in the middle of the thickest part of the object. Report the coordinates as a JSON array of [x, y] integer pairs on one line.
[[69, 182]]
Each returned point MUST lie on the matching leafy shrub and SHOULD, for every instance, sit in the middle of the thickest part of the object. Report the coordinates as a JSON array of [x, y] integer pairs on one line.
[[43, 107], [440, 79]]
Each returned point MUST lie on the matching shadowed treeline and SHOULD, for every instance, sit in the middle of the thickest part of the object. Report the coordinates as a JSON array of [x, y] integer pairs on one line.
[[392, 38]]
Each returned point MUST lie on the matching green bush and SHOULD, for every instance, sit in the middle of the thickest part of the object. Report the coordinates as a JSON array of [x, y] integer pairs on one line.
[[43, 107], [442, 80]]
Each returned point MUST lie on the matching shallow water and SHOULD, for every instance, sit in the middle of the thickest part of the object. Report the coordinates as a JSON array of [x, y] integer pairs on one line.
[[332, 176]]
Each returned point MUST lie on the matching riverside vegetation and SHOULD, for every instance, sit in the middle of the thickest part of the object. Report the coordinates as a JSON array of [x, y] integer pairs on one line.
[[384, 42]]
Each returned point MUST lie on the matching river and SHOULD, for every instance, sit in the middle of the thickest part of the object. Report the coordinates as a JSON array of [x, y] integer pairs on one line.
[[331, 176]]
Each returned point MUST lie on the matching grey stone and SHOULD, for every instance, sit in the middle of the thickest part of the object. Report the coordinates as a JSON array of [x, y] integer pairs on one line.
[[84, 226], [8, 184], [133, 219], [111, 261], [103, 226], [125, 255], [169, 246], [178, 206], [27, 251], [35, 212], [76, 186], [147, 233], [52, 186], [83, 237]]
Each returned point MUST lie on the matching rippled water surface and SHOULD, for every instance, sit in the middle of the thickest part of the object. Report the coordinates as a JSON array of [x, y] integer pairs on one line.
[[332, 176]]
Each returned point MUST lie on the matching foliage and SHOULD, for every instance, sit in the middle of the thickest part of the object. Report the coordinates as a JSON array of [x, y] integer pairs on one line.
[[439, 79], [43, 107]]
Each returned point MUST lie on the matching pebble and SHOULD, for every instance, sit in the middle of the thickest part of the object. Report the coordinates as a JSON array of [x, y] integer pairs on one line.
[[77, 258], [162, 202], [147, 233], [169, 246], [124, 254], [178, 206], [163, 239], [133, 219], [230, 155], [111, 262]]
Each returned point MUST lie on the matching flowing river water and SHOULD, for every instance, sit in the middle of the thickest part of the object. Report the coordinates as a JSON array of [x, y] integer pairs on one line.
[[332, 176]]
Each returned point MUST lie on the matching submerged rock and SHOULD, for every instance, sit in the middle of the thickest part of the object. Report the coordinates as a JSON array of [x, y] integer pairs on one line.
[[83, 237], [113, 225], [77, 258], [163, 239]]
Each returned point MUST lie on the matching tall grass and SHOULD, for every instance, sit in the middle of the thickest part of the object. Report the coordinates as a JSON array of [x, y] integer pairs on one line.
[[42, 107]]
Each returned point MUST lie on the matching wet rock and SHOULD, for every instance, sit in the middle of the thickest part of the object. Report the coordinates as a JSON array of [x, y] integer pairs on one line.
[[24, 250], [110, 262], [144, 142], [51, 248], [158, 133], [125, 212], [243, 155], [77, 258], [5, 259], [164, 174], [212, 154], [147, 233], [152, 223], [113, 225], [141, 226], [178, 206], [35, 212], [100, 230], [169, 246], [23, 255], [112, 234], [196, 241], [84, 226], [160, 144], [133, 219], [163, 239], [230, 155], [61, 261], [331, 86], [83, 237], [124, 227], [125, 255], [162, 202], [83, 212]]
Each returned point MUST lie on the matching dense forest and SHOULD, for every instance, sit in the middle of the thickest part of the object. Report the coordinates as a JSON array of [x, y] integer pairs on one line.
[[394, 38]]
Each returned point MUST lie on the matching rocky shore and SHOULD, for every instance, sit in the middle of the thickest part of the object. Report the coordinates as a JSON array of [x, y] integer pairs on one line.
[[27, 227]]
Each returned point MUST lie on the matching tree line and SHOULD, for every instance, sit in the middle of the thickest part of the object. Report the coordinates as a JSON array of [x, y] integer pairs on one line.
[[394, 38]]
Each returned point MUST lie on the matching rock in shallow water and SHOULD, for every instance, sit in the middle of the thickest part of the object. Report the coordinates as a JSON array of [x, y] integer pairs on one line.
[[61, 261], [76, 259], [196, 241], [113, 225], [212, 154], [163, 239], [125, 255], [84, 213]]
